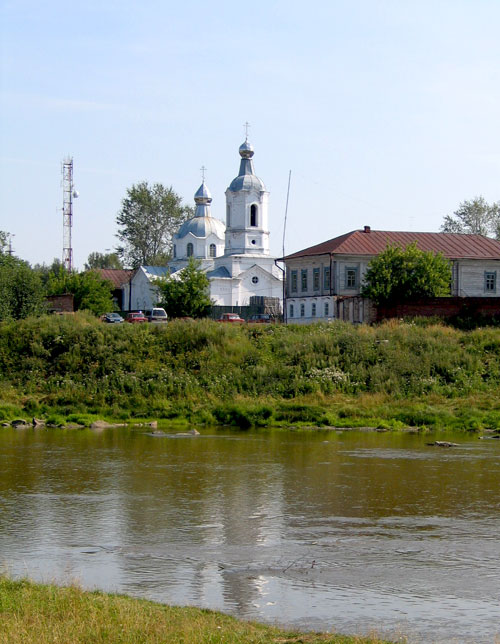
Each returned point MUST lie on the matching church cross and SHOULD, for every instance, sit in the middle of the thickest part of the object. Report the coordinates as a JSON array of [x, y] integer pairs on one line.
[[203, 170], [246, 125]]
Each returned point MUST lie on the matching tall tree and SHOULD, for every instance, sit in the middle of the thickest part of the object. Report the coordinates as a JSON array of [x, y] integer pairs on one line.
[[90, 291], [148, 218], [21, 289], [402, 274], [475, 217], [186, 294], [103, 260]]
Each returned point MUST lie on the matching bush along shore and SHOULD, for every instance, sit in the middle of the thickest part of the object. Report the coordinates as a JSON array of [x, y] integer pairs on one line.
[[41, 613], [75, 369]]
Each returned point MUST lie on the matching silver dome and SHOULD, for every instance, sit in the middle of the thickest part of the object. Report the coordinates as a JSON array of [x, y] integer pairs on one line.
[[202, 195], [202, 227]]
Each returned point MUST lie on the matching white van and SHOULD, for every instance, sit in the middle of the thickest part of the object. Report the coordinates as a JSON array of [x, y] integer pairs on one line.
[[156, 315]]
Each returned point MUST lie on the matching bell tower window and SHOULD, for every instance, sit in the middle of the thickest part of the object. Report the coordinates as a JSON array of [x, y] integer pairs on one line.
[[253, 215], [228, 216], [189, 250]]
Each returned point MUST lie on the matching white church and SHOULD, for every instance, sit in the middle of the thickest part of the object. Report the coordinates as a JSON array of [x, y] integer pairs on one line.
[[234, 256]]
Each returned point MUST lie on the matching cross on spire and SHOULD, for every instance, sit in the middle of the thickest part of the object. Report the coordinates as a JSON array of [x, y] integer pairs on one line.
[[246, 125], [203, 170]]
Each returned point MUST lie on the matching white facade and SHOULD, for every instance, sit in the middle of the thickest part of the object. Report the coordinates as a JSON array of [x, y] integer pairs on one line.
[[140, 293], [236, 256]]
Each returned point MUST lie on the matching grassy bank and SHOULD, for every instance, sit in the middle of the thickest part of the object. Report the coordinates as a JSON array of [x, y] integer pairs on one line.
[[394, 375], [45, 614]]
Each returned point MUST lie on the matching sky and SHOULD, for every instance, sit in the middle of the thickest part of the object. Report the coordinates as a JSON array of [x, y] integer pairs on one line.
[[386, 112]]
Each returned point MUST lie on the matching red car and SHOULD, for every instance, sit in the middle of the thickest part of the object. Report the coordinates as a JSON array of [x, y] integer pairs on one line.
[[231, 317], [136, 318]]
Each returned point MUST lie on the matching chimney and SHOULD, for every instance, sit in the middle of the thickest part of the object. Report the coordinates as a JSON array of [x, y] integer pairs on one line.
[[367, 229]]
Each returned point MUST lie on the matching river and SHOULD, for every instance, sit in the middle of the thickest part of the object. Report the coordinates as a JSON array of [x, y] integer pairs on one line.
[[350, 531]]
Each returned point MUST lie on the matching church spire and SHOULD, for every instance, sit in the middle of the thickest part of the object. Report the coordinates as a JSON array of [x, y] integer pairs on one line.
[[202, 198]]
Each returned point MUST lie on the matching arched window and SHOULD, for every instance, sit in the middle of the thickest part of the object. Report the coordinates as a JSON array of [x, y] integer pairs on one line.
[[175, 251], [213, 250], [253, 215], [189, 250], [228, 216]]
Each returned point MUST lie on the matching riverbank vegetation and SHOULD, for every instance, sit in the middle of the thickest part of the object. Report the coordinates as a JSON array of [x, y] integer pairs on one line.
[[42, 613], [395, 375]]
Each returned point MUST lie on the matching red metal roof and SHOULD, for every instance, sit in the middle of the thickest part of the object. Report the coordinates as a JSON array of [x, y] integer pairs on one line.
[[117, 276], [373, 242]]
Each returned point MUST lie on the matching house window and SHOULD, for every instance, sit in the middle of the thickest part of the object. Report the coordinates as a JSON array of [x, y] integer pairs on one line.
[[490, 281], [291, 310], [327, 310], [315, 279], [302, 310], [228, 216], [189, 250], [351, 277], [303, 279], [313, 309], [213, 250], [326, 278], [293, 286], [253, 215]]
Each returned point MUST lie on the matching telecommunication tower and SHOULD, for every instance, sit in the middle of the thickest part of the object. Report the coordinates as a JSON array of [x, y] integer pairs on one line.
[[69, 193]]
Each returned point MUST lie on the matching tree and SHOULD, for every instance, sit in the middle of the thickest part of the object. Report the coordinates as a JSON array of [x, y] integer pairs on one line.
[[403, 274], [148, 218], [21, 289], [90, 292], [186, 293], [103, 260], [475, 217]]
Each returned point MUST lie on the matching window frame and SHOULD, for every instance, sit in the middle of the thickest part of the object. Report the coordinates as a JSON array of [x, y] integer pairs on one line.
[[189, 250], [355, 272], [326, 278], [316, 280], [294, 281], [212, 250], [303, 280], [490, 281]]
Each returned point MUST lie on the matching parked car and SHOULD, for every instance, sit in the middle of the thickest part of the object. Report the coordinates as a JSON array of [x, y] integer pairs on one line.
[[231, 317], [156, 315], [136, 318], [261, 318], [112, 318]]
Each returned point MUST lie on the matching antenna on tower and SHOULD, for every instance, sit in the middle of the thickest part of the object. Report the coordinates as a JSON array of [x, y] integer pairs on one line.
[[69, 193]]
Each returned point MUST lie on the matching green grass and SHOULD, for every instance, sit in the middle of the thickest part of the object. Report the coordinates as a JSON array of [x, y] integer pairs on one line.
[[45, 614], [392, 375]]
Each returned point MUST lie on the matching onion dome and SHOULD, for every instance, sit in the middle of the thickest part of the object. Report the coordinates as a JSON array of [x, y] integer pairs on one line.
[[246, 179], [202, 224]]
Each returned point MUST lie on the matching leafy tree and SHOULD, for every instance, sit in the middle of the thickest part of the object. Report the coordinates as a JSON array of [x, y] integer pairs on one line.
[[186, 294], [149, 216], [103, 260], [4, 241], [90, 292], [403, 274], [21, 289], [475, 217], [45, 270]]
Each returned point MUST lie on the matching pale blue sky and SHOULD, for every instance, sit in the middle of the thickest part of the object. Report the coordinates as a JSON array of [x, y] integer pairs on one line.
[[386, 112]]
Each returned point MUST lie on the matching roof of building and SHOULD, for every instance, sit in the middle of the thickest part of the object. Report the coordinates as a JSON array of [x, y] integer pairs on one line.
[[221, 271], [156, 271], [201, 227], [117, 276], [372, 242]]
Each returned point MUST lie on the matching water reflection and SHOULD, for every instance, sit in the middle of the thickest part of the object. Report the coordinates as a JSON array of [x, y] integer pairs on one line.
[[316, 530]]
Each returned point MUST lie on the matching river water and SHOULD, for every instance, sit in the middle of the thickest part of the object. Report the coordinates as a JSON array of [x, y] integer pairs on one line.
[[349, 531]]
